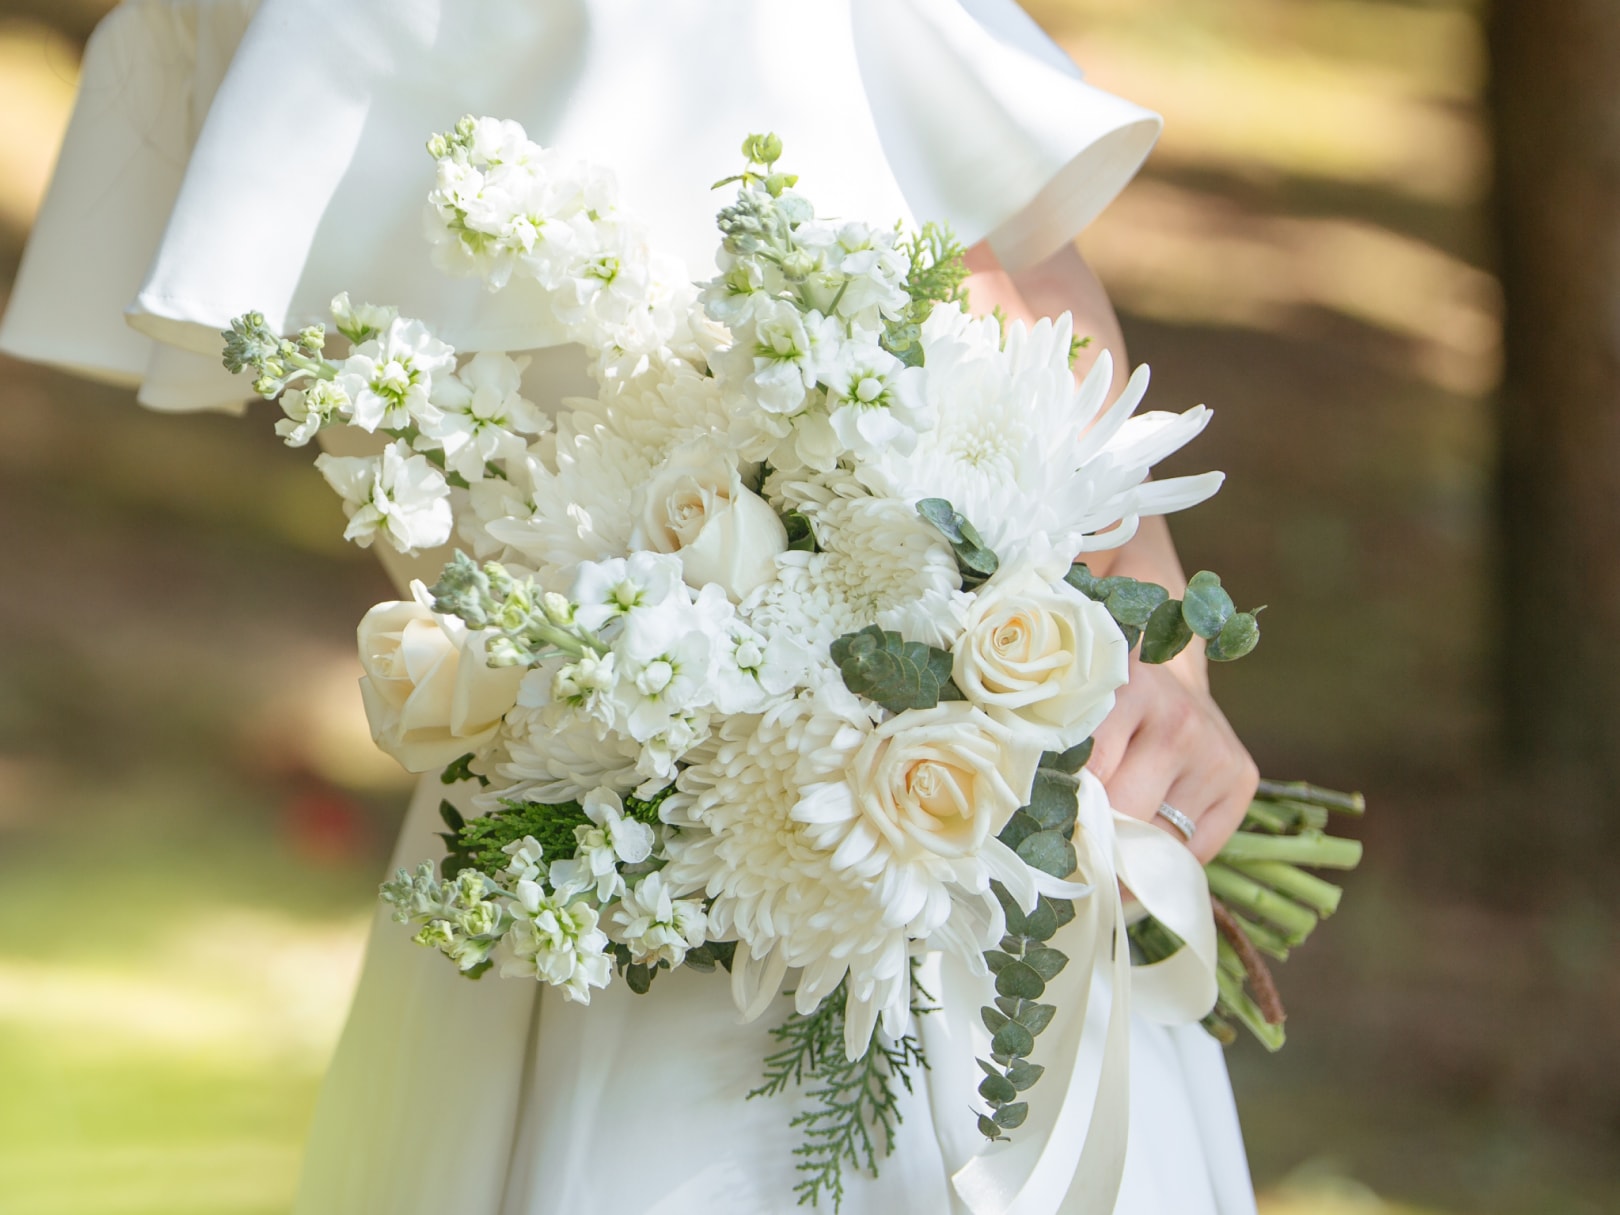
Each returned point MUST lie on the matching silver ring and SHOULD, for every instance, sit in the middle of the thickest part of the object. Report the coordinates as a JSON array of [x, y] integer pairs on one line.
[[1178, 820]]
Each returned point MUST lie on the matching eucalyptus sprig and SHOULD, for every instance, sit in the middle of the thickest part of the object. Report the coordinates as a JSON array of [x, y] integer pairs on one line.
[[1165, 626], [1042, 834], [897, 674]]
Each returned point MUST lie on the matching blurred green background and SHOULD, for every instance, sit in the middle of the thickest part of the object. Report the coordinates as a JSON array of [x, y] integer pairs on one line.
[[192, 819]]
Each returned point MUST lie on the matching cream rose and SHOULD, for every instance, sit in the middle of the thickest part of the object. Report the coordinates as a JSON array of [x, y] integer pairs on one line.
[[940, 781], [429, 695], [1038, 654], [696, 506]]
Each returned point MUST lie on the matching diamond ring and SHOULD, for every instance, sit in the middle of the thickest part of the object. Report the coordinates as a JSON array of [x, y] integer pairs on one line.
[[1178, 820]]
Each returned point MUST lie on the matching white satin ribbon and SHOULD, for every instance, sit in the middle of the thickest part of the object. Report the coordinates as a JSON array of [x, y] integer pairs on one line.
[[1068, 1156]]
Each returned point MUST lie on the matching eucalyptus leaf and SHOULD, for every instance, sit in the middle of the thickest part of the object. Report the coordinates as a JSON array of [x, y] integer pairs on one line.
[[1238, 636], [1022, 980], [1010, 1116], [801, 537], [1046, 962], [1023, 1074], [1019, 828], [1206, 606], [973, 558], [1041, 923], [994, 1020], [1070, 761], [1036, 1017], [896, 673], [1054, 802], [998, 1089], [1167, 633], [1012, 1041], [1049, 852], [1135, 602], [997, 961]]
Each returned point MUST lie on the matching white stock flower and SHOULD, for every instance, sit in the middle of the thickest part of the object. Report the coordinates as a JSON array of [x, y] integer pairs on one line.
[[607, 591], [1020, 452], [481, 415], [666, 656], [1038, 655], [865, 411], [526, 857], [389, 378], [610, 840], [311, 409], [696, 506], [654, 925], [430, 697], [556, 941], [862, 275], [361, 322], [397, 493]]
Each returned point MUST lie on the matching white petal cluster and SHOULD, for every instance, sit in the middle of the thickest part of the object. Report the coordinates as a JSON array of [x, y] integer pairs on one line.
[[648, 672]]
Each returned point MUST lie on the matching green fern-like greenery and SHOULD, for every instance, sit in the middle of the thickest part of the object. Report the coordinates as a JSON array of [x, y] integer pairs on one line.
[[477, 844], [855, 1103], [938, 270]]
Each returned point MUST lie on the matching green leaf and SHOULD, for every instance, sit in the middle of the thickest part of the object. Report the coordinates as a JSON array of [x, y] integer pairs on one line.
[[896, 673], [1036, 1017], [996, 960], [451, 816], [1134, 602], [1206, 606], [478, 971], [1046, 962], [1049, 852], [638, 978], [1081, 579], [1041, 923], [801, 537], [1023, 1074], [1012, 1040], [1167, 633], [997, 1089], [994, 1020], [975, 561], [1238, 636], [1062, 909], [1070, 761], [1019, 828], [1022, 980], [1011, 1116], [989, 1129], [1054, 802]]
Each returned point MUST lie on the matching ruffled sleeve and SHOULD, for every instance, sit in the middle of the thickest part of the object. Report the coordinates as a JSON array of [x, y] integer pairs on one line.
[[987, 124], [149, 73]]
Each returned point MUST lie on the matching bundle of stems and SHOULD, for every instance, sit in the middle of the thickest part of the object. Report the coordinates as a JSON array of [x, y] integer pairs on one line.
[[1265, 902]]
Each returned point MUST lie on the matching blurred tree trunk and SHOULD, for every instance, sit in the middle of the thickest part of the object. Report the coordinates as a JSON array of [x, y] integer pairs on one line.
[[1556, 102]]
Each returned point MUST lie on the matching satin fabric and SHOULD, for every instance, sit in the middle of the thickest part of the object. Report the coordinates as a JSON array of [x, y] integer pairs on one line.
[[222, 158]]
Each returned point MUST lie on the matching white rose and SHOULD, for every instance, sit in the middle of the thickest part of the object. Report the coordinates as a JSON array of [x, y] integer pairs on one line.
[[1036, 653], [696, 507], [942, 781], [429, 695]]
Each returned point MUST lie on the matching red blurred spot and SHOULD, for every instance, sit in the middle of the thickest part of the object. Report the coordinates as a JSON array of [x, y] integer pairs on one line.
[[325, 826]]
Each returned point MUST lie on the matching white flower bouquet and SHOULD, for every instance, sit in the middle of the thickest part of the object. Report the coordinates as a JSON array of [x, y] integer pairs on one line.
[[779, 654]]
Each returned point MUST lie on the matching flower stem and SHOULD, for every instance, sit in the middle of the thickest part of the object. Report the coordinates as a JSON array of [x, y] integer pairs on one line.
[[1232, 887], [1320, 896], [1310, 848], [1311, 795]]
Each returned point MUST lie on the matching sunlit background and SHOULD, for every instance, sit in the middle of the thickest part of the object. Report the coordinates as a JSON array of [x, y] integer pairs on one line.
[[193, 820]]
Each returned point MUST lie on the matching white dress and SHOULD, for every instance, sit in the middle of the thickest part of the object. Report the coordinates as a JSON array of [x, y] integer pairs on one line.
[[222, 159]]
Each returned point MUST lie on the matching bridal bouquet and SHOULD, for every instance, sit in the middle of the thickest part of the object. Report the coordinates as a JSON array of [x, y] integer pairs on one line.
[[779, 654]]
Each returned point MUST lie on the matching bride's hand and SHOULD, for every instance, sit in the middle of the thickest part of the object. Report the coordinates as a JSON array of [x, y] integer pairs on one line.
[[1167, 742]]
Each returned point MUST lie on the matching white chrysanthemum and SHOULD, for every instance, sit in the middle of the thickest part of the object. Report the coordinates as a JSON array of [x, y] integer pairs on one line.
[[552, 756], [881, 563], [1020, 452], [773, 888]]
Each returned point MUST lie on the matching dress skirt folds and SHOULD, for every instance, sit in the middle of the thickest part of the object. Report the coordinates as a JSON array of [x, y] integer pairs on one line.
[[226, 157]]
